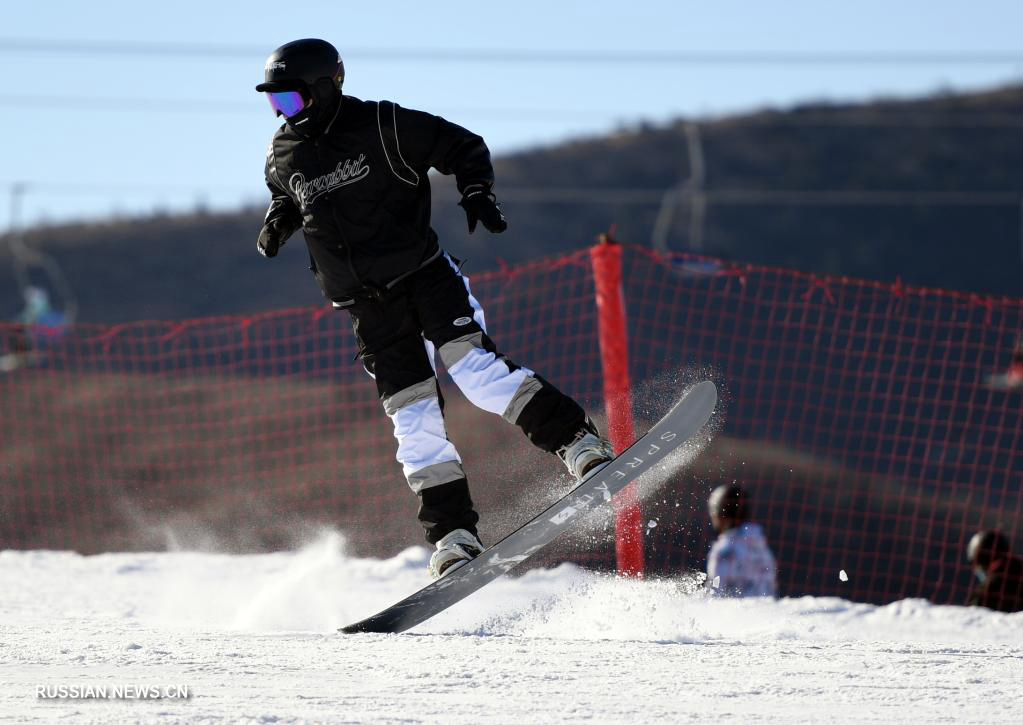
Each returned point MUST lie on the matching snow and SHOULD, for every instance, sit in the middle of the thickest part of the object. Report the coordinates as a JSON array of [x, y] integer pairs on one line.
[[253, 637]]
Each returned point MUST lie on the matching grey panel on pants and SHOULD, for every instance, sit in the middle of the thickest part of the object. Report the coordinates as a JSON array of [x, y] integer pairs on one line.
[[436, 475], [530, 387], [412, 394], [453, 351]]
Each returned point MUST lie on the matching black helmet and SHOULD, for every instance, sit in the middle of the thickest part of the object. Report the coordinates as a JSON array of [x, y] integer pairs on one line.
[[309, 68], [728, 502], [985, 547], [298, 65]]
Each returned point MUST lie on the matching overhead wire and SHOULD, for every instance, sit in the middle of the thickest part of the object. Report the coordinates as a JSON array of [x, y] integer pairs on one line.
[[838, 117], [528, 55], [865, 118], [638, 196]]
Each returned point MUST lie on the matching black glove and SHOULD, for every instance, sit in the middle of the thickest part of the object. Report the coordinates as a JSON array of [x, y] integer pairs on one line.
[[269, 240], [481, 206]]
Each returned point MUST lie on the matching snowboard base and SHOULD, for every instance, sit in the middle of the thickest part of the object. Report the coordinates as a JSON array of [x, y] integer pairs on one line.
[[682, 422]]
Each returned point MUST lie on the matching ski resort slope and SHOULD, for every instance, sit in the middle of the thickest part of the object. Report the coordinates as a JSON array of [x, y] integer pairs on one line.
[[253, 638]]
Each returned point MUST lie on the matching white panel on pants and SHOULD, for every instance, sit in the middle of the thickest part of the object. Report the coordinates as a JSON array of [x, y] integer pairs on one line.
[[486, 380], [422, 439]]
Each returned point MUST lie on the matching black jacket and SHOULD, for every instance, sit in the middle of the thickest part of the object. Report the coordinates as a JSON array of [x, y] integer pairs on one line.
[[1003, 588], [361, 194]]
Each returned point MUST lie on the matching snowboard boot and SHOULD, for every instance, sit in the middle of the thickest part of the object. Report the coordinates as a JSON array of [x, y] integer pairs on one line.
[[455, 549], [586, 453]]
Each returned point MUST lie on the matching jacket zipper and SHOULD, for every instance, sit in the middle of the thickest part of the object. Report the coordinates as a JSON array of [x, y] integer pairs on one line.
[[344, 246]]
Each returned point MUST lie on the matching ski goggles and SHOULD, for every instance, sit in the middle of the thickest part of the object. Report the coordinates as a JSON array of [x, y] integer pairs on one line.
[[286, 103]]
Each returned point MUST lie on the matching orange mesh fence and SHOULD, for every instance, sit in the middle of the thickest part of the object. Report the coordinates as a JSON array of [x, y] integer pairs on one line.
[[874, 426]]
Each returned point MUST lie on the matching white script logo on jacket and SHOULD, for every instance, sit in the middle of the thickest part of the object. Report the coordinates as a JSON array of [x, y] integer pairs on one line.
[[347, 172]]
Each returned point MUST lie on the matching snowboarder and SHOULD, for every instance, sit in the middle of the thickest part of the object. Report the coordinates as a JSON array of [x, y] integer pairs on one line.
[[999, 573], [740, 563], [352, 175]]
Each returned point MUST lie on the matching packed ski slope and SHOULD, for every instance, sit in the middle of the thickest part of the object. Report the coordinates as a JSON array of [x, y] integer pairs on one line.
[[253, 639]]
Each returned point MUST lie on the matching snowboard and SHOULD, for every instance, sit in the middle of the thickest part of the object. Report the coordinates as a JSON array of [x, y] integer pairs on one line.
[[681, 423]]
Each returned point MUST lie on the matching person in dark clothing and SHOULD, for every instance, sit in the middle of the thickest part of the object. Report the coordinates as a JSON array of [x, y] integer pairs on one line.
[[999, 574], [353, 175]]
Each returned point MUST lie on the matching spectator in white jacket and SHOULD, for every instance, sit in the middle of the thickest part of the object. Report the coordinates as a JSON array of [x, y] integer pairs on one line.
[[740, 563]]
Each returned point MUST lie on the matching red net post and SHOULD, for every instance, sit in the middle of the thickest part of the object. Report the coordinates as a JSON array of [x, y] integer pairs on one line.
[[614, 353]]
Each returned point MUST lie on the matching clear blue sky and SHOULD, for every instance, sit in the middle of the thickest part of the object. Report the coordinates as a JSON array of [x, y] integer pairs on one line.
[[95, 133]]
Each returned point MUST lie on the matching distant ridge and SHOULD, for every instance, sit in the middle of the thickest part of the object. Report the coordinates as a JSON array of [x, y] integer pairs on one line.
[[928, 190]]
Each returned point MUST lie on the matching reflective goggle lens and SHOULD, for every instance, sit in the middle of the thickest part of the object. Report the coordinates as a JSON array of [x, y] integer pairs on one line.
[[287, 103]]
